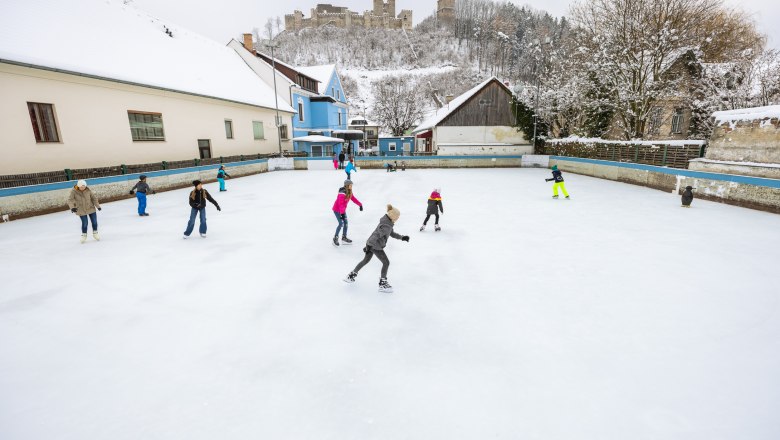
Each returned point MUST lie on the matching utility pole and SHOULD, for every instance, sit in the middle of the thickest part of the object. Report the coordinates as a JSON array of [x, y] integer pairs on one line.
[[547, 42], [272, 45]]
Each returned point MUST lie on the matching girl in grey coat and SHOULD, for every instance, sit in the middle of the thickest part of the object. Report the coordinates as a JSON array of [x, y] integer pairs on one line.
[[375, 246]]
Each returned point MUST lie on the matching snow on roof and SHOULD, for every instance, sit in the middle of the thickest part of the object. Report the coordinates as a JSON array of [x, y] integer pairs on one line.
[[321, 74], [317, 138], [111, 40], [348, 131], [368, 123], [582, 140], [747, 114], [448, 109]]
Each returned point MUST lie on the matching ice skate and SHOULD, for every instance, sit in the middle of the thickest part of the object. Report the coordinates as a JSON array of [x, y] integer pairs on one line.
[[96, 236], [185, 236], [83, 238], [203, 235], [346, 240], [145, 214], [384, 286], [438, 228], [335, 240], [567, 198], [350, 277], [555, 197], [422, 228]]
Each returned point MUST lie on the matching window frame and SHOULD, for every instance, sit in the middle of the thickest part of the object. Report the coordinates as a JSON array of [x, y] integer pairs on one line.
[[34, 109], [301, 116], [391, 146], [678, 119], [132, 133], [283, 132], [201, 149], [262, 131], [229, 134]]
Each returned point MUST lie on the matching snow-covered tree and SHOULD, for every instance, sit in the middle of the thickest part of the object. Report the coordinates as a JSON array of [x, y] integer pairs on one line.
[[399, 104]]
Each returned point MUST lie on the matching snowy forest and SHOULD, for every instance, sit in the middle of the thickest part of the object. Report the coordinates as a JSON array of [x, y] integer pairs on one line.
[[602, 71]]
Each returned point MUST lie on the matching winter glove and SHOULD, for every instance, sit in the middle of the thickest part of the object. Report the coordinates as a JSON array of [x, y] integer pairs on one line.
[[405, 238], [366, 249], [131, 192], [100, 209], [547, 180], [361, 207], [73, 210], [219, 209]]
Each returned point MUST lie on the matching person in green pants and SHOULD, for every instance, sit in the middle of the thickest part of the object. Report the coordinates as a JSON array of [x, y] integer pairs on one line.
[[558, 178]]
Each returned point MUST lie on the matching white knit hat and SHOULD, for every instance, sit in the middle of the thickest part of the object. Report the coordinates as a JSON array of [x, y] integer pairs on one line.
[[81, 182]]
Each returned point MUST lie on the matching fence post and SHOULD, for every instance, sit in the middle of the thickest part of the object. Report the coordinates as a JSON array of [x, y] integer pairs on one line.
[[124, 168], [220, 160], [164, 165], [69, 173], [636, 154], [663, 161], [197, 162]]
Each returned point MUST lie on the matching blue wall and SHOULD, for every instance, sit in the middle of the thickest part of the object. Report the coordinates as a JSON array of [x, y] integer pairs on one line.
[[384, 145]]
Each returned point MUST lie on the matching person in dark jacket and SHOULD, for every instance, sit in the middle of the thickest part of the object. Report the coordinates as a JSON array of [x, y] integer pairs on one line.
[[141, 189], [221, 175], [558, 178], [687, 197], [434, 206], [375, 245], [197, 199], [342, 157]]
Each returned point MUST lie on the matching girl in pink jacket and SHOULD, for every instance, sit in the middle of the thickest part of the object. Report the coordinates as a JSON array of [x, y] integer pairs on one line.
[[340, 210]]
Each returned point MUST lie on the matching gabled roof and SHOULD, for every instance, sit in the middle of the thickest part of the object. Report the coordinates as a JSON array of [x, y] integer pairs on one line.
[[109, 40], [455, 104], [320, 73]]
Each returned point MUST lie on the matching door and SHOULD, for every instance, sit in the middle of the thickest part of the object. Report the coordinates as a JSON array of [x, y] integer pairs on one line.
[[204, 147], [407, 148]]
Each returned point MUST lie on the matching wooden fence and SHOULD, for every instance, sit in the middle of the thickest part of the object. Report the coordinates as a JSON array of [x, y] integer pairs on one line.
[[674, 156]]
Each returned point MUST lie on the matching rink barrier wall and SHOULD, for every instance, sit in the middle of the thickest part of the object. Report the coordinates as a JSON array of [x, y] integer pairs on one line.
[[412, 162], [26, 201], [746, 191]]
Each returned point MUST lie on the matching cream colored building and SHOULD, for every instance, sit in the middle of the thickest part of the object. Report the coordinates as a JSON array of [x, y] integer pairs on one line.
[[92, 102]]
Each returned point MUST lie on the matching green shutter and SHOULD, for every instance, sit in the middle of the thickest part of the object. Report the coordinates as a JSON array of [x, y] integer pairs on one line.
[[257, 126]]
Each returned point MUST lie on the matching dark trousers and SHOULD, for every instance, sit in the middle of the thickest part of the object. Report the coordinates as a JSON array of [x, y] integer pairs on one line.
[[343, 222], [191, 224], [429, 216], [379, 254], [341, 164], [92, 218]]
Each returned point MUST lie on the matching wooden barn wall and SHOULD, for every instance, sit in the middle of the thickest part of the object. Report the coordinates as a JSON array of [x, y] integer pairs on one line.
[[495, 110]]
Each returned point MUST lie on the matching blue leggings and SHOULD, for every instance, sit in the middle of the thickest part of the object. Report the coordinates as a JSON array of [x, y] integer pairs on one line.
[[141, 202], [92, 218], [342, 219]]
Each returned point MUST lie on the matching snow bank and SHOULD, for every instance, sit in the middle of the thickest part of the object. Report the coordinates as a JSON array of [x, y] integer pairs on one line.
[[582, 140], [747, 114]]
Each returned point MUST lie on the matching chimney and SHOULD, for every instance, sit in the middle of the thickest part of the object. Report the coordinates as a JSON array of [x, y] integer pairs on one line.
[[449, 98], [248, 43]]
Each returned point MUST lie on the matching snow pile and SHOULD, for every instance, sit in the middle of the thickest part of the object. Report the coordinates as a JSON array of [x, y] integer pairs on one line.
[[607, 316], [584, 140], [109, 39], [764, 114]]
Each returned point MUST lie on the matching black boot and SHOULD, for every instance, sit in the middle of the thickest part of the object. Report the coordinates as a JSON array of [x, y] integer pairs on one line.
[[335, 240], [384, 286]]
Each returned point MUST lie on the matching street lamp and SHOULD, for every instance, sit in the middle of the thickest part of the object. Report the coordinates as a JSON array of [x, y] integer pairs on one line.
[[365, 119], [547, 42], [273, 45]]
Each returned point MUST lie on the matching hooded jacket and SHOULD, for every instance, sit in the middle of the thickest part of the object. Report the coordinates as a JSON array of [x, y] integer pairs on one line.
[[198, 198], [350, 168], [435, 204], [340, 205], [85, 202], [142, 187], [557, 177], [378, 239], [687, 196]]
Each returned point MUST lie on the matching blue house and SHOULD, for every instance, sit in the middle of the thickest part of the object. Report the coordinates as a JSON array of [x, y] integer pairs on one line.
[[396, 145]]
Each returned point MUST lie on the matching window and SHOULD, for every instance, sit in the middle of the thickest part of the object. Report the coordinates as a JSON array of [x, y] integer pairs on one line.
[[655, 120], [229, 128], [316, 151], [300, 111], [370, 132], [677, 121], [391, 146], [283, 132], [44, 126], [339, 117], [146, 126], [338, 94], [257, 127], [332, 91], [204, 148]]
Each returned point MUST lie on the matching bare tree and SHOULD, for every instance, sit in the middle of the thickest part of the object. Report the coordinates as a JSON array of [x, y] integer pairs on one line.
[[399, 103]]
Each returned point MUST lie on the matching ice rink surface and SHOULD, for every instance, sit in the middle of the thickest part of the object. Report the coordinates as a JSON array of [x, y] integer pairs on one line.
[[614, 315]]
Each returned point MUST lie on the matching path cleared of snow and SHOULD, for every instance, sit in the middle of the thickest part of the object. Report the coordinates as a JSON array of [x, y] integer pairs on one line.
[[615, 315]]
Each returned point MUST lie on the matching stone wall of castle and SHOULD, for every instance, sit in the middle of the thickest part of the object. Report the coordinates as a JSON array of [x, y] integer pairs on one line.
[[382, 16]]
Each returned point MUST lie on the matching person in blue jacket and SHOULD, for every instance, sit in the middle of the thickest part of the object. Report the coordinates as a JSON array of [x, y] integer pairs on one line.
[[350, 168], [221, 175]]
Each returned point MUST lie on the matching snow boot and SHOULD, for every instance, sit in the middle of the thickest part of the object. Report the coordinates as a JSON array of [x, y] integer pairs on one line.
[[96, 236], [335, 240], [346, 240], [438, 228], [422, 228], [384, 286], [350, 277], [83, 238]]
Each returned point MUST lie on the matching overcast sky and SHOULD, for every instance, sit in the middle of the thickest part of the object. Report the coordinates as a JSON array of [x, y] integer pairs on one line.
[[225, 19]]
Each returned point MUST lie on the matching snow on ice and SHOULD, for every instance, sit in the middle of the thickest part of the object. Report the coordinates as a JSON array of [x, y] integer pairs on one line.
[[614, 315]]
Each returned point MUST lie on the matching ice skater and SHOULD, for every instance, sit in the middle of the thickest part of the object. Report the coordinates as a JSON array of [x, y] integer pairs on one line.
[[340, 210], [335, 161], [198, 197], [558, 178], [350, 169], [376, 246], [342, 156], [434, 206], [390, 167], [221, 175], [687, 197], [141, 189], [83, 202]]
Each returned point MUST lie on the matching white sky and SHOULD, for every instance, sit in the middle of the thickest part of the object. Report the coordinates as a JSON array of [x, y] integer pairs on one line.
[[226, 19]]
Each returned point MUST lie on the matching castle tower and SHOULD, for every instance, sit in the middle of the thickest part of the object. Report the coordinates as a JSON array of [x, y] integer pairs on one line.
[[390, 8], [445, 11]]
